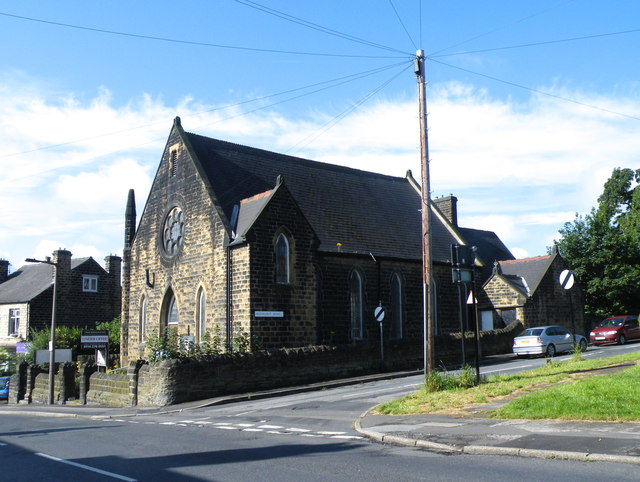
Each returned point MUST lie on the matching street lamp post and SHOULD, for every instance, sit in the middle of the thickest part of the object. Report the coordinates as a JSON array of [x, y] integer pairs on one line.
[[52, 342]]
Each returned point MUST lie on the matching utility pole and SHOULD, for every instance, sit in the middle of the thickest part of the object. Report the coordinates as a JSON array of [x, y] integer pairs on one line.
[[52, 341], [428, 321]]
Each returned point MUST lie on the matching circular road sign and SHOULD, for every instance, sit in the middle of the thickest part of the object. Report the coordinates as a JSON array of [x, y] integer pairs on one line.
[[379, 313], [567, 279]]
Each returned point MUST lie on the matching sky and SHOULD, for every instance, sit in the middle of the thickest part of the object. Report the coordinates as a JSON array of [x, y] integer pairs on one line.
[[531, 105]]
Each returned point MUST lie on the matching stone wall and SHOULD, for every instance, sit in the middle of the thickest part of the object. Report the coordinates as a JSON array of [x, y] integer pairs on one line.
[[297, 299], [108, 389], [200, 262]]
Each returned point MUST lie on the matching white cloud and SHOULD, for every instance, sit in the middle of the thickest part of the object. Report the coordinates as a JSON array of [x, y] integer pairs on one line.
[[521, 170]]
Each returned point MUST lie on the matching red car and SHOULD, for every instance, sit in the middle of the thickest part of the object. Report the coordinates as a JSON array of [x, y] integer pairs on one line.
[[617, 329]]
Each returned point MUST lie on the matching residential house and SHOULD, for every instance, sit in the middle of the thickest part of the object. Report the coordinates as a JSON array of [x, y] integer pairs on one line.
[[86, 294], [529, 290]]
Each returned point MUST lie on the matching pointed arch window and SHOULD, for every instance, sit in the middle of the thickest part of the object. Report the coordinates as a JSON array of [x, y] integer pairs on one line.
[[142, 328], [356, 295], [283, 275], [397, 307], [200, 315], [170, 314]]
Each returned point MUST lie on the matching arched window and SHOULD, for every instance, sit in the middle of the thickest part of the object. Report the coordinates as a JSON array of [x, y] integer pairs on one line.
[[170, 310], [356, 294], [397, 308], [142, 327], [200, 316], [282, 260]]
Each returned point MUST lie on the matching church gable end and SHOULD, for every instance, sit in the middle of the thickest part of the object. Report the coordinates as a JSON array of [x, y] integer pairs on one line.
[[179, 244]]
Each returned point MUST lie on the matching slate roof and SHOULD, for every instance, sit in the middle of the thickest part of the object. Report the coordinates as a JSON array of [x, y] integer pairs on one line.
[[532, 270], [363, 211], [490, 248], [30, 280]]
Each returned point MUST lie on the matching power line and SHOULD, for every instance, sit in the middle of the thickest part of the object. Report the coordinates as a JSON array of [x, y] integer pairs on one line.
[[402, 23], [520, 20], [333, 83], [190, 42], [337, 81], [314, 26], [535, 44], [328, 125], [541, 92]]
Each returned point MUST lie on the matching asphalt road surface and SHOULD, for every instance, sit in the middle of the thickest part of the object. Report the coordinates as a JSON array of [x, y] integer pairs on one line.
[[306, 436]]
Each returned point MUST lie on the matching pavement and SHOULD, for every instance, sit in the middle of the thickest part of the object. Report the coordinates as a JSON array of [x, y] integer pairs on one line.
[[448, 434]]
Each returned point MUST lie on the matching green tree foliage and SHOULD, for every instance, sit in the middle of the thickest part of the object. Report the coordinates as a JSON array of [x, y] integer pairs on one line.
[[114, 334], [603, 248]]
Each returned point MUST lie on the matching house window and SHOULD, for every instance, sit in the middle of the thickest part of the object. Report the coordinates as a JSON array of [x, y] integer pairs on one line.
[[282, 260], [397, 309], [14, 322], [143, 319], [200, 315], [89, 283], [356, 293]]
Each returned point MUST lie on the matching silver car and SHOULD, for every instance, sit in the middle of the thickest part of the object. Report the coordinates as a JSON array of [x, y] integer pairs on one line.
[[547, 340]]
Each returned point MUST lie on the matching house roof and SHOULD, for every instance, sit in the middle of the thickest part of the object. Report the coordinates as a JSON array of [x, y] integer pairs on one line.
[[30, 280], [490, 248], [363, 211], [350, 210], [531, 270]]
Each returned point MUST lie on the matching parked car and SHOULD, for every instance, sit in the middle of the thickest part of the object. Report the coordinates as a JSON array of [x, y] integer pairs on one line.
[[617, 329], [4, 388], [547, 340]]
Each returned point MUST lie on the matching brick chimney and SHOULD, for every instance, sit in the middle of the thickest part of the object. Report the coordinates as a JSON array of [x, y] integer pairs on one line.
[[449, 207], [4, 270]]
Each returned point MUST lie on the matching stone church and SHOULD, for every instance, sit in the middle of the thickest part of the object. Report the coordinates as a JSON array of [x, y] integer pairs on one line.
[[291, 251]]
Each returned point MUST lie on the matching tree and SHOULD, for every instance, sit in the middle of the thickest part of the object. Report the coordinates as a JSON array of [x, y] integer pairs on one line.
[[603, 248]]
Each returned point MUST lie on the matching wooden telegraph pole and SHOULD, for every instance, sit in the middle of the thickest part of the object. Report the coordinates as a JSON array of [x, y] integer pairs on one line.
[[426, 216]]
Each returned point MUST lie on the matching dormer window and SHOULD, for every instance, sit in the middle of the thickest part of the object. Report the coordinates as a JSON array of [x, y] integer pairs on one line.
[[89, 283]]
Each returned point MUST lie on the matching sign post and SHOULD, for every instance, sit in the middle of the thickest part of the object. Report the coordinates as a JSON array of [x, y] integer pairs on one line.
[[379, 313], [567, 279], [98, 340]]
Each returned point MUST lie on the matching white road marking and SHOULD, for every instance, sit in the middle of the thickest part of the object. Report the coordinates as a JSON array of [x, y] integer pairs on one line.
[[298, 430], [332, 433], [274, 427], [347, 437], [86, 467]]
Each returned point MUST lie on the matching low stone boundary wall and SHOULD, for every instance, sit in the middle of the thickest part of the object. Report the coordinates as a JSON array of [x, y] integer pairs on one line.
[[108, 389], [169, 382]]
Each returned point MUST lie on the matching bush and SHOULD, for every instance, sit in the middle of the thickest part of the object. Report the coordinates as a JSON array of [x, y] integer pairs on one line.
[[438, 381]]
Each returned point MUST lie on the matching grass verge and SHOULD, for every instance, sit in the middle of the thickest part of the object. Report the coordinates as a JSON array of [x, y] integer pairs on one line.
[[572, 390]]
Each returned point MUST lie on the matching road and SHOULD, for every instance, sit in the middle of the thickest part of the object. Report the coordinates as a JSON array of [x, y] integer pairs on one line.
[[306, 436]]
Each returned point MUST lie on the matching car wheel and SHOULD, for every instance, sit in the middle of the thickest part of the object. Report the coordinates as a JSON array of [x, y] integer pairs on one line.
[[551, 351], [583, 345], [622, 340]]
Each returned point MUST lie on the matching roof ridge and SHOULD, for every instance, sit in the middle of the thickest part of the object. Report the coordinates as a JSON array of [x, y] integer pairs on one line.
[[532, 258], [325, 165]]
